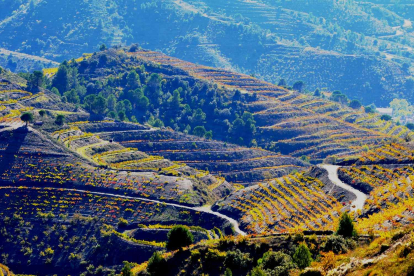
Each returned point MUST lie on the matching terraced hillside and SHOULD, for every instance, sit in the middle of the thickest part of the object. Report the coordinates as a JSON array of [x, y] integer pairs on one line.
[[271, 39], [283, 205], [294, 123], [77, 196], [51, 229], [132, 142], [234, 163], [384, 173]]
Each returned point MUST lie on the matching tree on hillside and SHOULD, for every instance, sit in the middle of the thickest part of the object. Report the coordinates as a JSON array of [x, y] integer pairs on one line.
[[121, 115], [282, 83], [35, 81], [60, 119], [153, 88], [42, 113], [157, 265], [54, 90], [317, 93], [126, 270], [355, 104], [370, 109], [103, 47], [178, 237], [61, 79], [337, 96], [199, 131], [133, 80], [386, 117], [111, 102], [276, 263], [99, 105], [27, 117], [346, 226], [72, 96], [298, 86], [302, 256]]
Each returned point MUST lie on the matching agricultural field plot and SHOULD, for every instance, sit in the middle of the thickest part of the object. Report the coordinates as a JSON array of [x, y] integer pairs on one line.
[[235, 163], [30, 158], [390, 193], [72, 229], [108, 153], [294, 202], [286, 118], [392, 153]]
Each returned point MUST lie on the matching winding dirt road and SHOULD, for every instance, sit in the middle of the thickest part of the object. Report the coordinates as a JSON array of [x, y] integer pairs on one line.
[[204, 209], [358, 203]]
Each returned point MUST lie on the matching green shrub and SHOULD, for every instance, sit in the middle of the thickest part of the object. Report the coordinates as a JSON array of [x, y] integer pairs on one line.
[[178, 237], [302, 256], [336, 244], [237, 260], [157, 265], [60, 119], [276, 263]]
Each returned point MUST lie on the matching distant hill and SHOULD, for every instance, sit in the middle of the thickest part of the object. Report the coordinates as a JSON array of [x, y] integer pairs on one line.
[[325, 44], [19, 62]]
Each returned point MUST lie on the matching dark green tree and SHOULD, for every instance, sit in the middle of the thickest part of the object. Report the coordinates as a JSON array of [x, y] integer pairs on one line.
[[27, 117], [178, 237], [337, 96], [355, 104], [42, 113], [276, 263], [36, 81], [133, 80], [99, 105], [121, 115], [60, 119], [199, 116], [111, 102], [199, 131], [126, 270], [282, 83], [298, 86], [209, 135], [103, 47], [386, 117], [61, 79], [72, 96], [55, 91], [157, 265], [346, 226], [302, 256], [88, 102], [153, 88], [143, 103]]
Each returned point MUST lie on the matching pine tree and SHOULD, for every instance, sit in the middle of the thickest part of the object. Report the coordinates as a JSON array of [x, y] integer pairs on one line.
[[346, 226], [302, 256]]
